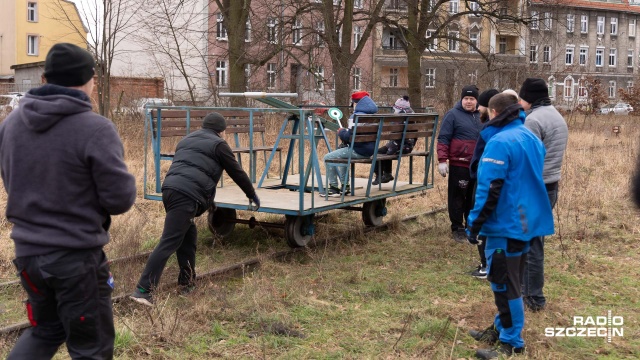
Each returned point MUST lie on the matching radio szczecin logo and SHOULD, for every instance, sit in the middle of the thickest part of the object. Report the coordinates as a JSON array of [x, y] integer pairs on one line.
[[590, 326]]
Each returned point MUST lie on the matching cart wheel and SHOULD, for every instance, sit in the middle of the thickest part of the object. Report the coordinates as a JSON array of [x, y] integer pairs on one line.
[[373, 212], [222, 221], [298, 230]]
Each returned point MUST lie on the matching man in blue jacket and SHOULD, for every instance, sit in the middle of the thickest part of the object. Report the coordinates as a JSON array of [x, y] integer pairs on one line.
[[511, 207], [362, 105]]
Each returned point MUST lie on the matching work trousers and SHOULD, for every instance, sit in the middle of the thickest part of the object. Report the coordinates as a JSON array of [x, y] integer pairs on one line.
[[460, 195], [69, 300], [505, 260], [179, 236]]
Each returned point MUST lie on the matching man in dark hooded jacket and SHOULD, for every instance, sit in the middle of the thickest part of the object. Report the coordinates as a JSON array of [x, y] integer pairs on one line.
[[188, 191], [63, 169]]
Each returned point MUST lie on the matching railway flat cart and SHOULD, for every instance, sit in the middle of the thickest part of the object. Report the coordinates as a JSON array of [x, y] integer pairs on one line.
[[292, 187]]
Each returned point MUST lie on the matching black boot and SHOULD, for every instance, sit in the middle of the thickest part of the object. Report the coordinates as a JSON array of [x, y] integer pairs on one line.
[[489, 335], [386, 177], [375, 180], [503, 349]]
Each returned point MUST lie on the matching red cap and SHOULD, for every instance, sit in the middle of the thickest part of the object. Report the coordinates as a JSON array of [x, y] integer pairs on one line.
[[356, 96]]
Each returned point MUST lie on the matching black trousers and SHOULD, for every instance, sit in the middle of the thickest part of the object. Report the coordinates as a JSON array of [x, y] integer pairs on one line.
[[179, 236], [385, 165], [69, 300], [460, 196]]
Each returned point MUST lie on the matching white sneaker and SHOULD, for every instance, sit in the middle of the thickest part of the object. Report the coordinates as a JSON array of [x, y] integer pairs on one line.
[[480, 272]]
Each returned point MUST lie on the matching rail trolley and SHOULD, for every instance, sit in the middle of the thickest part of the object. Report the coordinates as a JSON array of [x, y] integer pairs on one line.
[[292, 193]]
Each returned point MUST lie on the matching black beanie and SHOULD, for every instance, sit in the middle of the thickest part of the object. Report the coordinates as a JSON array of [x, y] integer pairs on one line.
[[215, 122], [533, 89], [483, 99], [469, 90], [68, 65]]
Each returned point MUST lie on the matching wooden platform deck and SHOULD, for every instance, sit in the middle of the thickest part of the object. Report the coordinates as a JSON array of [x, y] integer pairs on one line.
[[286, 201]]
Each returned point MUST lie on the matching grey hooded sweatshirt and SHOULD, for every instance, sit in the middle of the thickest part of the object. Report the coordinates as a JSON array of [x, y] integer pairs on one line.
[[64, 172]]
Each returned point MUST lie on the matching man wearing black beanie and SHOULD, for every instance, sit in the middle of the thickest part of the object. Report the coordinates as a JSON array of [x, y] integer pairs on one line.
[[549, 126], [63, 168], [456, 141], [188, 190]]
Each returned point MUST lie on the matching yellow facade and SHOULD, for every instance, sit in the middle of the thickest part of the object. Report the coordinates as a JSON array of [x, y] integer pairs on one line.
[[31, 27]]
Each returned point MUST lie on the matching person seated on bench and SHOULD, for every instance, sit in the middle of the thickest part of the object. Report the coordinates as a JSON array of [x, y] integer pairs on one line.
[[362, 104], [402, 106]]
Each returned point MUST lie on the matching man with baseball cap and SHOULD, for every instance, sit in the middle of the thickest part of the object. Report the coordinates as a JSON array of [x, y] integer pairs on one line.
[[63, 169], [456, 141]]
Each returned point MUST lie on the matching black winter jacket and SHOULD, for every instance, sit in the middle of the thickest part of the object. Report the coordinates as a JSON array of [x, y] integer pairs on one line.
[[198, 164]]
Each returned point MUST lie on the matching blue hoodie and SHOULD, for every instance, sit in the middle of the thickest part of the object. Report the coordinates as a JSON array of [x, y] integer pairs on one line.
[[364, 106]]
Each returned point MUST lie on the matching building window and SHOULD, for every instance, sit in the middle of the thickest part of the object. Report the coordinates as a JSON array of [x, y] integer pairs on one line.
[[221, 30], [247, 74], [475, 8], [533, 54], [32, 45], [614, 26], [613, 57], [582, 59], [356, 78], [600, 25], [629, 85], [571, 22], [584, 23], [568, 87], [502, 45], [296, 33], [221, 73], [546, 54], [430, 78], [632, 27], [547, 21], [453, 41], [357, 4], [247, 31], [552, 87], [271, 75], [357, 35], [319, 78], [568, 58], [272, 30], [454, 6], [433, 46], [393, 77], [599, 57], [32, 11], [320, 33], [535, 19], [612, 89], [474, 39], [630, 58]]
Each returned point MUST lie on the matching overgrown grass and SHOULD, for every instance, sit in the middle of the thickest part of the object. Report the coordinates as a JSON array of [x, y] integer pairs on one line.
[[404, 293]]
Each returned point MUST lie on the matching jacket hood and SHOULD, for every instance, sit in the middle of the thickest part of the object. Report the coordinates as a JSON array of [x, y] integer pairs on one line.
[[43, 107], [366, 106], [512, 114]]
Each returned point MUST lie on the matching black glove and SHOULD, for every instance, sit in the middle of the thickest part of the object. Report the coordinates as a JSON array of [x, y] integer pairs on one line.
[[256, 202], [472, 238]]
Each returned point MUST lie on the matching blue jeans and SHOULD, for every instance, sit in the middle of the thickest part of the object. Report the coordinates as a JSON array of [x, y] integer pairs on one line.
[[341, 169], [533, 280]]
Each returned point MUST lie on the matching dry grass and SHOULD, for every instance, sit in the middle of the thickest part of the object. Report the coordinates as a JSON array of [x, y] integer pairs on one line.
[[398, 294]]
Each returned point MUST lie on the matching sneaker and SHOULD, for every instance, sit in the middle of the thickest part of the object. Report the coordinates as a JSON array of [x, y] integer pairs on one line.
[[142, 296], [331, 191], [489, 335], [347, 189], [459, 236], [186, 289], [385, 178], [531, 305], [480, 272], [504, 350]]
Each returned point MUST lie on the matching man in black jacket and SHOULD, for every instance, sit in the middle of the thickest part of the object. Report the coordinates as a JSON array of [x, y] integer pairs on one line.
[[63, 169], [188, 191]]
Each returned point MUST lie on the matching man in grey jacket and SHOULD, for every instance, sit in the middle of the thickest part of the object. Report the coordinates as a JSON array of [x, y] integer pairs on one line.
[[64, 172], [547, 124]]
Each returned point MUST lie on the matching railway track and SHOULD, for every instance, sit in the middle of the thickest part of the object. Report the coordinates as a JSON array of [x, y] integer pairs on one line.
[[226, 269]]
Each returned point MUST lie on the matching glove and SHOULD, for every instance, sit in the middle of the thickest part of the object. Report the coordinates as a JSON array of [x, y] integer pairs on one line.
[[443, 169], [473, 238], [255, 200]]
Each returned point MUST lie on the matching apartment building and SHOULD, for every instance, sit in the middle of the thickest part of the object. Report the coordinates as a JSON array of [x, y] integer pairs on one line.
[[29, 28], [571, 41]]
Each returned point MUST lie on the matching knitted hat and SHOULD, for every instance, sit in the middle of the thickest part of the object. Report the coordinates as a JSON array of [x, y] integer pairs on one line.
[[483, 99], [215, 122], [356, 96], [68, 65], [469, 90], [402, 105], [533, 89]]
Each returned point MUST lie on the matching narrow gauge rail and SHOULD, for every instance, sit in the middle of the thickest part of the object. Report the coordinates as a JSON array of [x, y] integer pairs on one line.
[[219, 272]]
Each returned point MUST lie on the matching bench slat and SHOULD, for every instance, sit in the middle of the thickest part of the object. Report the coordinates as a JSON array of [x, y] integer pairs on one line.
[[392, 136], [380, 157]]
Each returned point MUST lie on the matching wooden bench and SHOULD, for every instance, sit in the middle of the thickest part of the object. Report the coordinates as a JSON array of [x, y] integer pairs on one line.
[[179, 123], [383, 128]]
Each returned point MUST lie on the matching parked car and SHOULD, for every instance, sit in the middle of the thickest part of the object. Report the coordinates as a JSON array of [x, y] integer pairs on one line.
[[9, 102], [617, 109], [143, 103]]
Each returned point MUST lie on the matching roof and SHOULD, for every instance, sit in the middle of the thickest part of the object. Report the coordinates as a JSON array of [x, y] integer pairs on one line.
[[622, 6], [27, 65]]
